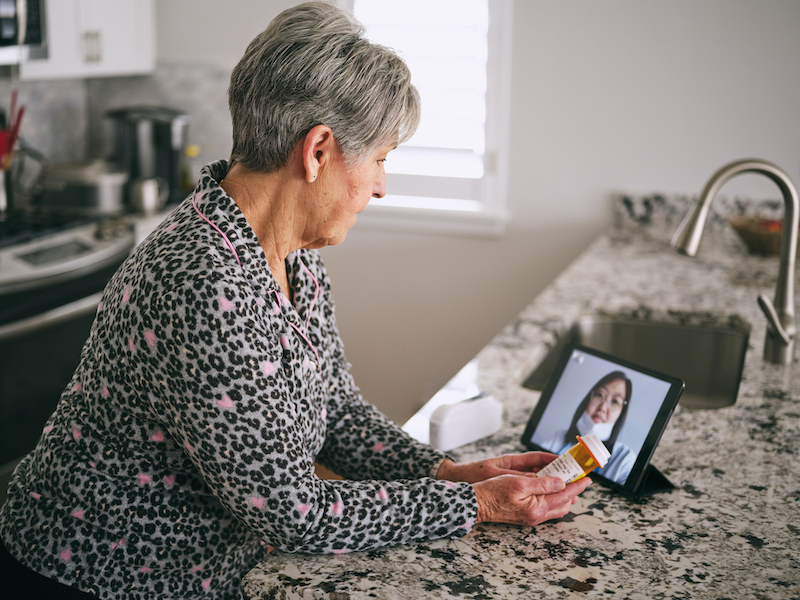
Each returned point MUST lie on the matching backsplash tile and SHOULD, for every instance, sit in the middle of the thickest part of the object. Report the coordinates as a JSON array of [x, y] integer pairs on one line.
[[65, 119], [668, 210], [198, 90], [55, 119]]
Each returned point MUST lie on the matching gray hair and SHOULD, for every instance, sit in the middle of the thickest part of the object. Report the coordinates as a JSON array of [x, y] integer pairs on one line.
[[313, 66]]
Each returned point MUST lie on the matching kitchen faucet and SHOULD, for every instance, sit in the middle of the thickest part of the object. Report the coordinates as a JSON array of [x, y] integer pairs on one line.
[[781, 331]]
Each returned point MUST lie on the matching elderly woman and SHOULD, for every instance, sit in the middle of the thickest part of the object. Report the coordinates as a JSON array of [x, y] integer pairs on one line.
[[214, 376]]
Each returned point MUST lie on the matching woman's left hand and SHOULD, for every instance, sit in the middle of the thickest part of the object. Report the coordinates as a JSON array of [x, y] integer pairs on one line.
[[528, 463]]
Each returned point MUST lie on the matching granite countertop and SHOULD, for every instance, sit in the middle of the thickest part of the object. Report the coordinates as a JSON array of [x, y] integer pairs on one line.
[[731, 526]]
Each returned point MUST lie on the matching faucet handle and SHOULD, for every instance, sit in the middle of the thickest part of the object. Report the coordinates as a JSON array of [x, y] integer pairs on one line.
[[772, 317]]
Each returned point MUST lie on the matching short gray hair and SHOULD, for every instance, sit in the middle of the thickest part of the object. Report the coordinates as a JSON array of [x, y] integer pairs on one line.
[[314, 66]]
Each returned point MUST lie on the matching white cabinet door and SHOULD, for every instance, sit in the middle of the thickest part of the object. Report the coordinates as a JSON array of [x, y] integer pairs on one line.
[[96, 38]]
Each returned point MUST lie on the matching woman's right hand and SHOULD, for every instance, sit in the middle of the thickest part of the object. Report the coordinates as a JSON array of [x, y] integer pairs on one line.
[[525, 499]]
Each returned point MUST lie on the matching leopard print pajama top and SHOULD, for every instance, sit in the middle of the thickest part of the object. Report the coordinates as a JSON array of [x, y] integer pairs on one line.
[[186, 440]]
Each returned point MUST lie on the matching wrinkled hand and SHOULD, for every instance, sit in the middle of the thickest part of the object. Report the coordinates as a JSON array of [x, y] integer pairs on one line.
[[508, 491], [508, 464], [525, 500]]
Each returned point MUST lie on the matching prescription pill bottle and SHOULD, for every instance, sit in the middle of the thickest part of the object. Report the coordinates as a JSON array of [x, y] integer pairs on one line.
[[580, 460]]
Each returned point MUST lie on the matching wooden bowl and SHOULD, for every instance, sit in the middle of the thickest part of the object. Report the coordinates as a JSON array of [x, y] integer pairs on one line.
[[761, 236]]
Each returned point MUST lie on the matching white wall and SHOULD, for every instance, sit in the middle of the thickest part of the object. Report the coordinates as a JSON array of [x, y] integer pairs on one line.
[[608, 96], [211, 32]]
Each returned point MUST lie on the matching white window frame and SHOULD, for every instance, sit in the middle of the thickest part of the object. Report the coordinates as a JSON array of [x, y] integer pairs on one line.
[[487, 216]]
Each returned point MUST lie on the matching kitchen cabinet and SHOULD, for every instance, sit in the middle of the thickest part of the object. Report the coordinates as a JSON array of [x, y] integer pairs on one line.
[[96, 38]]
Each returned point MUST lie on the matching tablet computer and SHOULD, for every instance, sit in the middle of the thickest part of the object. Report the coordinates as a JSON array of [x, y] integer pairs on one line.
[[626, 405]]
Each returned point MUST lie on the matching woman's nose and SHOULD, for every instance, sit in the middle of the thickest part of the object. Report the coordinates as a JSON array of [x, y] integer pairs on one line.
[[602, 409], [379, 187]]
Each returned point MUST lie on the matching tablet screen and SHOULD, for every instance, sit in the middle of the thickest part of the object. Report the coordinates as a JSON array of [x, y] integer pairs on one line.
[[625, 405]]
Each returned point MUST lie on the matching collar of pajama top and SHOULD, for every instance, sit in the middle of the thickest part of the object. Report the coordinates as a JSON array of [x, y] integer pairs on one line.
[[234, 234]]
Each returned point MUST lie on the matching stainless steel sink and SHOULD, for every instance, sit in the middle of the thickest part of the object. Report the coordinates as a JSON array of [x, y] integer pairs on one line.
[[708, 358]]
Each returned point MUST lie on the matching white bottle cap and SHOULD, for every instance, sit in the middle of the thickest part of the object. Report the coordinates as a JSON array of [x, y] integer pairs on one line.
[[596, 448]]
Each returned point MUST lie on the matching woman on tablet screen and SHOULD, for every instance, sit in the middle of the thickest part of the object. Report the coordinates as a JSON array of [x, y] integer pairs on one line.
[[602, 412]]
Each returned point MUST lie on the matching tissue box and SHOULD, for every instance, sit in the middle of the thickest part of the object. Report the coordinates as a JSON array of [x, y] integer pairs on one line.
[[454, 425]]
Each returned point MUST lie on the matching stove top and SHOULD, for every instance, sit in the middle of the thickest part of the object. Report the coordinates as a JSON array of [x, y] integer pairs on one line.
[[20, 226], [44, 248]]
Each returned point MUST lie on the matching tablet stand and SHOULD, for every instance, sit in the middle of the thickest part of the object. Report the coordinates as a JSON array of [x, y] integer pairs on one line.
[[653, 482]]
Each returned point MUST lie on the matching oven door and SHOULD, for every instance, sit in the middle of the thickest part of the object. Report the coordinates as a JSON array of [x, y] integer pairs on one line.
[[42, 332], [37, 359]]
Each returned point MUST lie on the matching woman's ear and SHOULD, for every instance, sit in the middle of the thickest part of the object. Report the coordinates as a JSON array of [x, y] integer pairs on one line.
[[319, 146]]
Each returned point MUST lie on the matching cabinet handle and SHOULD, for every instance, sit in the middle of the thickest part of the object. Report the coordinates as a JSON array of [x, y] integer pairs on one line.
[[98, 46], [87, 45], [73, 310], [92, 47]]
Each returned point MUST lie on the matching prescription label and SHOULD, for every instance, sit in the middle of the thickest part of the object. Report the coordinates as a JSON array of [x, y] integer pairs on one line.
[[564, 467]]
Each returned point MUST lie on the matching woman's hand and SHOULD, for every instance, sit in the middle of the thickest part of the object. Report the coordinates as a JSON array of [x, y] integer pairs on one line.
[[525, 500], [508, 491], [508, 464]]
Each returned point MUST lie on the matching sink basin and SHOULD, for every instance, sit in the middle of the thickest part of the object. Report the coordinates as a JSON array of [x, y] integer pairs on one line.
[[708, 358]]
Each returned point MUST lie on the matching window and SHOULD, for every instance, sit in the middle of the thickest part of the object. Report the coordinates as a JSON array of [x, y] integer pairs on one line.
[[450, 177]]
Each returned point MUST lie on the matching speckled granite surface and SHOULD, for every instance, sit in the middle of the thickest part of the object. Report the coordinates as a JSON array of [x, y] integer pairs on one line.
[[731, 527]]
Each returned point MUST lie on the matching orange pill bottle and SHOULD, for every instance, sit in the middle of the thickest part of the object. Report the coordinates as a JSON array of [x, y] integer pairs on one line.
[[580, 460]]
